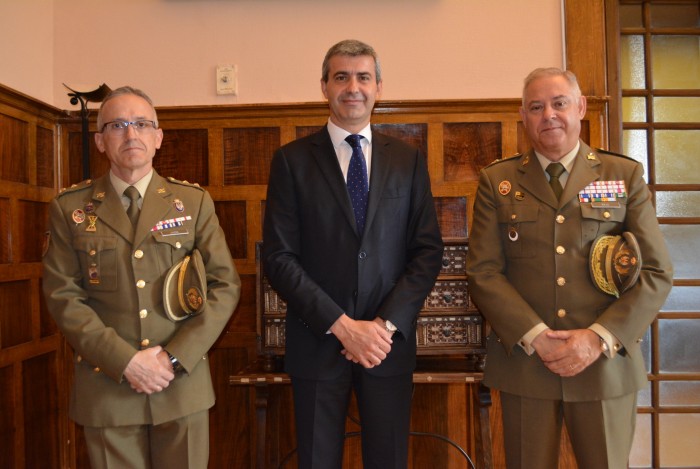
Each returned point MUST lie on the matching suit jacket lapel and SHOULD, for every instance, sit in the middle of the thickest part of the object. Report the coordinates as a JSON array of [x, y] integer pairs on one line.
[[381, 156], [109, 208], [156, 205], [582, 174], [327, 161], [534, 181]]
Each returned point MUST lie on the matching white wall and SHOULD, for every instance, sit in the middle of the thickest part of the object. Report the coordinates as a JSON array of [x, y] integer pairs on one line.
[[430, 49], [26, 47]]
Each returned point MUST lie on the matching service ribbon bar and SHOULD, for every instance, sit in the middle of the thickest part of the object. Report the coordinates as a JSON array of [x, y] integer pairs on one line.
[[603, 191], [172, 223]]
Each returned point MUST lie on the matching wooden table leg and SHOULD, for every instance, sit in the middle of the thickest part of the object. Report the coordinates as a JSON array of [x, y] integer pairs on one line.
[[261, 399], [482, 396]]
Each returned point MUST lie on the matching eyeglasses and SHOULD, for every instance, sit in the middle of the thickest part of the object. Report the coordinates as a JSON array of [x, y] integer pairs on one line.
[[140, 125]]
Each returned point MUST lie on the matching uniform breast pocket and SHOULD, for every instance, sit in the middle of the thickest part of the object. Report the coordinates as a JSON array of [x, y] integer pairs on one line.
[[172, 246], [518, 227], [98, 261], [600, 221]]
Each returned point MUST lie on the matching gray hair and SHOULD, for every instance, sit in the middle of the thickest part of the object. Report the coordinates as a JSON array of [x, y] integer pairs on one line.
[[552, 72], [353, 48], [120, 92]]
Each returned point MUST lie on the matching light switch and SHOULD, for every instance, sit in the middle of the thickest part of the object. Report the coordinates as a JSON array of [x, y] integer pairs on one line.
[[226, 80]]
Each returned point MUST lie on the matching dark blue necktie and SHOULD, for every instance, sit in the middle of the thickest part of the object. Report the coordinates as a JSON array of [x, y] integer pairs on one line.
[[358, 187]]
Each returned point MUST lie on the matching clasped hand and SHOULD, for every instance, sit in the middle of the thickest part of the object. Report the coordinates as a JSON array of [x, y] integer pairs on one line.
[[364, 342], [149, 370], [567, 353]]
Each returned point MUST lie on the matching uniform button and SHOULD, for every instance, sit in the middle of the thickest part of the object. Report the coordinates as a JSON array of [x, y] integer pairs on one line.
[[617, 347], [140, 284], [145, 342], [79, 359], [92, 252], [143, 314], [138, 254], [561, 281], [606, 214], [178, 245], [561, 312], [513, 217], [561, 249], [96, 369], [362, 255], [560, 219]]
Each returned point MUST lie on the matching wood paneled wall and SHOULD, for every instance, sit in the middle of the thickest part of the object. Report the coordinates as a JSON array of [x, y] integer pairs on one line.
[[33, 385]]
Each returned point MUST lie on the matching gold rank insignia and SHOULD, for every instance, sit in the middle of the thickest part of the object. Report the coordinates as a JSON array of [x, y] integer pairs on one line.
[[92, 226], [161, 190], [590, 156], [100, 195]]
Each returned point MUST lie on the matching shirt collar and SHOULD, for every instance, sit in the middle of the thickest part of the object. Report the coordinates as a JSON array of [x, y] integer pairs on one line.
[[567, 160], [141, 185], [338, 134]]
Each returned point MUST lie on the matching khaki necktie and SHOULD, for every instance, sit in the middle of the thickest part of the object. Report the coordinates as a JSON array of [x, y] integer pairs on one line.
[[133, 211], [555, 170]]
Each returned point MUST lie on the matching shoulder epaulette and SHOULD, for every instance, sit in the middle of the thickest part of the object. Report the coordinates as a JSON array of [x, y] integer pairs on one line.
[[185, 183], [503, 160], [75, 187], [608, 152]]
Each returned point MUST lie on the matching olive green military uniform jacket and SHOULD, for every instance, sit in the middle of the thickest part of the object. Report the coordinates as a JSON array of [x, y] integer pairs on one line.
[[528, 263], [103, 283]]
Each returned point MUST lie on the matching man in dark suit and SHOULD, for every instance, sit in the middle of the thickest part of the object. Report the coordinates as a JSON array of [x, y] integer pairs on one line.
[[142, 385], [355, 264], [563, 347]]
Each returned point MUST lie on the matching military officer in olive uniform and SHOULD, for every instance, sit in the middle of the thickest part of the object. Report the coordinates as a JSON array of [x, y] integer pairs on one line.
[[561, 349], [142, 382]]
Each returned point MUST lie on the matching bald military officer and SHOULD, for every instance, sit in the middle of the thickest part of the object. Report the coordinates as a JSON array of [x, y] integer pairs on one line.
[[562, 349]]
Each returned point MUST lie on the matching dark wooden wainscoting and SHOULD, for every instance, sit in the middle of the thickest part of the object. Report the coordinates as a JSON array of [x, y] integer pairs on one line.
[[33, 382], [228, 150]]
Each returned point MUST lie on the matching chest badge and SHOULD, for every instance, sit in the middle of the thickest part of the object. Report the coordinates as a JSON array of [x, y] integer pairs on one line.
[[504, 188], [179, 206], [78, 216]]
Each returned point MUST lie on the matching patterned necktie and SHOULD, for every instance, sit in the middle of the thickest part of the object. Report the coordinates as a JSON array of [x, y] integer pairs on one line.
[[358, 187], [555, 170], [133, 211]]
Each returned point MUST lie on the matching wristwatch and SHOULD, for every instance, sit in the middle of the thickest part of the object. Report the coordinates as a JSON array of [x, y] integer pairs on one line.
[[177, 367], [389, 326]]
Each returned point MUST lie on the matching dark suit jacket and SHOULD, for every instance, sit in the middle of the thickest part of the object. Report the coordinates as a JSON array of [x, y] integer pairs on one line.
[[316, 261], [517, 284], [90, 284]]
